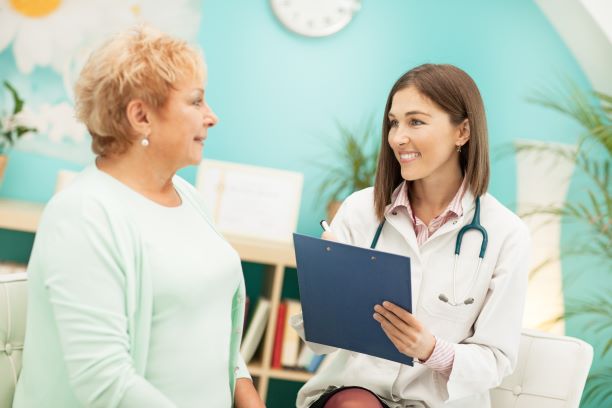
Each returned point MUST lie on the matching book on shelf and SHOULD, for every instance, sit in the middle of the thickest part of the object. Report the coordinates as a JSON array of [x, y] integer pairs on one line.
[[278, 335], [291, 339], [255, 330], [315, 363], [289, 351], [309, 360], [306, 356], [324, 362]]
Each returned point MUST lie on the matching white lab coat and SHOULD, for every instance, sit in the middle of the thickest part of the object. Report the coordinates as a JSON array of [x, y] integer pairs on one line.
[[485, 335]]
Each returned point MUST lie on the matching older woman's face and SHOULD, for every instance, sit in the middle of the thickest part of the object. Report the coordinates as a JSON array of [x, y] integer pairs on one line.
[[180, 128]]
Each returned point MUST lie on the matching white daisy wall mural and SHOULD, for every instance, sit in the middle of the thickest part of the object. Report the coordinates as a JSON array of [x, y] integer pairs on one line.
[[50, 41], [46, 32]]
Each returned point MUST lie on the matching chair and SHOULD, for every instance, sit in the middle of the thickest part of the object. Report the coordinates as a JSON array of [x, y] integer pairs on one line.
[[13, 299], [551, 372]]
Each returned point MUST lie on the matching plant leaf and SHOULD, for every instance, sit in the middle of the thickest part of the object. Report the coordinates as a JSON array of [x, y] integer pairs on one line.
[[17, 101], [354, 162]]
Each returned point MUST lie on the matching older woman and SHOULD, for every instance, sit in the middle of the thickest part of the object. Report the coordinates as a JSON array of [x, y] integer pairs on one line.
[[135, 298]]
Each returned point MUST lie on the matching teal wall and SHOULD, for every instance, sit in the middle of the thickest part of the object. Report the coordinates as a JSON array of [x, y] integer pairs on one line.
[[277, 94]]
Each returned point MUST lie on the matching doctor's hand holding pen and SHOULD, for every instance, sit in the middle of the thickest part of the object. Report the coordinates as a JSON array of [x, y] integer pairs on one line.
[[327, 232], [408, 335]]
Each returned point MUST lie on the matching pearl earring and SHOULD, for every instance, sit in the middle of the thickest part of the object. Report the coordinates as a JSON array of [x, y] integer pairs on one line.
[[144, 142]]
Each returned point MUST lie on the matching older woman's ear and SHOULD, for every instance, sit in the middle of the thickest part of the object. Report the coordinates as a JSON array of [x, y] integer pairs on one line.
[[137, 113]]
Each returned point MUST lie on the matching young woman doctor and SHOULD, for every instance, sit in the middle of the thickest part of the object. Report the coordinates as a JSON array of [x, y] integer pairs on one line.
[[431, 184]]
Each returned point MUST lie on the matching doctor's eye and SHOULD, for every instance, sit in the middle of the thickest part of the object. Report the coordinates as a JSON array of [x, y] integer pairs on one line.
[[416, 122], [198, 102], [393, 123]]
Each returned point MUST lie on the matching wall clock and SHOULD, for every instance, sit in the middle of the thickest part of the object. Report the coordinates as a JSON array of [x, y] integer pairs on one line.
[[315, 18]]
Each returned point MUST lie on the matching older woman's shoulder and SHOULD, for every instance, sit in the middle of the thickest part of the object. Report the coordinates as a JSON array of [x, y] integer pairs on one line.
[[193, 195], [184, 186], [187, 189], [89, 194]]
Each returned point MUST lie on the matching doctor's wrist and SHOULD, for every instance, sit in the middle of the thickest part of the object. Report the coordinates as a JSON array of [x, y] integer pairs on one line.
[[442, 358], [428, 349]]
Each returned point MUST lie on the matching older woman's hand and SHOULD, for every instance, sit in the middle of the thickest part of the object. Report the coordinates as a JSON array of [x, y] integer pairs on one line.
[[246, 395], [405, 331]]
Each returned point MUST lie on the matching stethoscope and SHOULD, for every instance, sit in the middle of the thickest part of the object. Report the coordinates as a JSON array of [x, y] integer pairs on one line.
[[474, 225]]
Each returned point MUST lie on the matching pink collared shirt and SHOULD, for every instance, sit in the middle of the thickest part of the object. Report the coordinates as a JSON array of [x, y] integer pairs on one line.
[[443, 355]]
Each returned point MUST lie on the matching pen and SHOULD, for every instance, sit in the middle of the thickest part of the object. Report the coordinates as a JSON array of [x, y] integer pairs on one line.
[[325, 226]]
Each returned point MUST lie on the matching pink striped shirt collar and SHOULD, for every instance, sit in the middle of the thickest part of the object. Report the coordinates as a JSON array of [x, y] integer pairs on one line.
[[400, 199]]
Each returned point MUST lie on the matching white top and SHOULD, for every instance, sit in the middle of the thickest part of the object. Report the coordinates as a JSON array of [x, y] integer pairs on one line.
[[194, 273]]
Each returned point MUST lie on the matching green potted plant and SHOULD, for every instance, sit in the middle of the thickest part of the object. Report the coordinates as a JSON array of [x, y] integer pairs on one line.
[[593, 213], [350, 164], [11, 128]]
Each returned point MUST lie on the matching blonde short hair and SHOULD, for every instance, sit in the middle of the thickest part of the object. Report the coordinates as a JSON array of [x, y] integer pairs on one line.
[[140, 63]]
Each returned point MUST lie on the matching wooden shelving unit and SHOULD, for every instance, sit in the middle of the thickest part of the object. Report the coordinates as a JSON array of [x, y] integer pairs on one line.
[[25, 216], [20, 215]]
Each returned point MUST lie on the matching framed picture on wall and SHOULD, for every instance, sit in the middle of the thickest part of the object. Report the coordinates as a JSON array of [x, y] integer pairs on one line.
[[251, 201]]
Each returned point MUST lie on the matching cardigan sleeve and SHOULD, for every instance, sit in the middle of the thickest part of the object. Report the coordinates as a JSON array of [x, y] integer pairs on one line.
[[81, 253], [242, 370]]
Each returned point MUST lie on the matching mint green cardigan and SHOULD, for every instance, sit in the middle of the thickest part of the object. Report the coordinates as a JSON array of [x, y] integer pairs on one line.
[[81, 349]]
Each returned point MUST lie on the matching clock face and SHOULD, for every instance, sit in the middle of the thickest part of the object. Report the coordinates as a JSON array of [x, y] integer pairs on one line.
[[315, 18]]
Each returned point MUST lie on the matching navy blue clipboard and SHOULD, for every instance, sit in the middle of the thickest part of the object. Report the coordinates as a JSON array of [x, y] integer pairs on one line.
[[339, 286]]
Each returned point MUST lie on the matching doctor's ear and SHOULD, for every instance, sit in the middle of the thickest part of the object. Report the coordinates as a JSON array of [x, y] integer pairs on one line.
[[464, 132]]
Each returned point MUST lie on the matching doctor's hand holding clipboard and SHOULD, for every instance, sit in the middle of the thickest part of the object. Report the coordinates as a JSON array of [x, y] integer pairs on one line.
[[404, 330]]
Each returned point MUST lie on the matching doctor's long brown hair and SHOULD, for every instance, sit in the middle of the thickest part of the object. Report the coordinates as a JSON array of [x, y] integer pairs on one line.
[[457, 94]]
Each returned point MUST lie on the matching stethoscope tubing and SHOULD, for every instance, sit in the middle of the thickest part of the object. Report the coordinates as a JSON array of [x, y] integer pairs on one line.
[[473, 225]]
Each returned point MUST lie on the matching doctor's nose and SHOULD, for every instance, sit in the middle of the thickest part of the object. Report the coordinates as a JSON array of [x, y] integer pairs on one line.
[[400, 138]]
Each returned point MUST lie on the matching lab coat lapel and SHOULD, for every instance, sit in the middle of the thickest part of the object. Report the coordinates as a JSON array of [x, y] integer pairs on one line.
[[468, 205], [403, 226]]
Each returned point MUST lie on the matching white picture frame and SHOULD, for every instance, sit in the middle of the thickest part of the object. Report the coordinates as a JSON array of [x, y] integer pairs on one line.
[[251, 201]]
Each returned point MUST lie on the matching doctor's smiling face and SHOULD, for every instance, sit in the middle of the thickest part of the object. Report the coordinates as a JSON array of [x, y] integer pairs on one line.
[[423, 138], [430, 111]]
